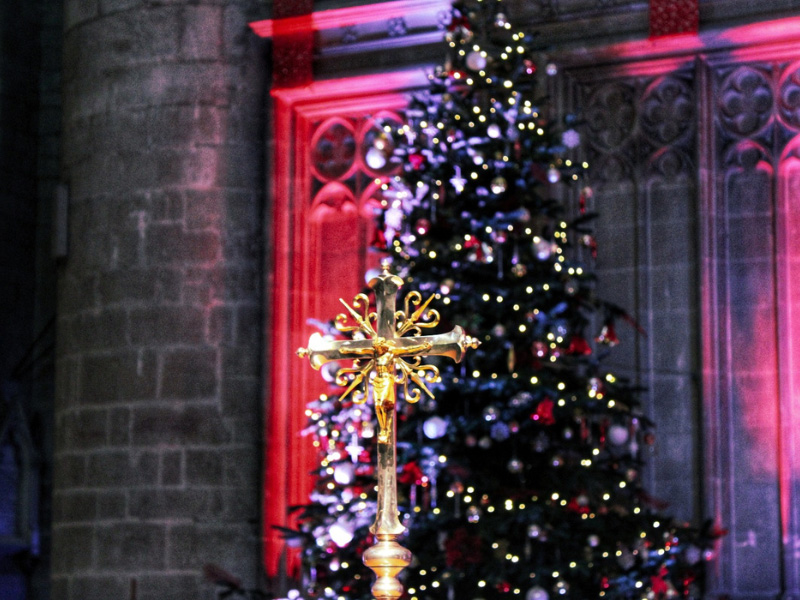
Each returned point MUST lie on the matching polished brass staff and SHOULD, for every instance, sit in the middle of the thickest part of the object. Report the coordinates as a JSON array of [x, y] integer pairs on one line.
[[393, 350]]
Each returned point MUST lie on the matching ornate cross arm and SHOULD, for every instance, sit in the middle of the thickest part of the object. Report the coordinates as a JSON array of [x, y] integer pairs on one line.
[[390, 355]]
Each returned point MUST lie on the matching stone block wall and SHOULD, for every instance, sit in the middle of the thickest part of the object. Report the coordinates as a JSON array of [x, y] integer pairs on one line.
[[158, 378]]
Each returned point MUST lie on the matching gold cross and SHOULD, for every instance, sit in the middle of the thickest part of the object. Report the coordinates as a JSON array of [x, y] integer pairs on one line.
[[392, 350]]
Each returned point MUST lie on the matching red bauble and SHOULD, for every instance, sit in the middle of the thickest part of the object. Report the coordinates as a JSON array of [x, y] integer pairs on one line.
[[416, 160], [579, 345], [544, 412]]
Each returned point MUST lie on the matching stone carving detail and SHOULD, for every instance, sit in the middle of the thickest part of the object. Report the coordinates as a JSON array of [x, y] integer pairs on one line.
[[667, 110], [789, 97], [669, 163], [745, 155], [640, 128], [353, 152], [333, 150], [611, 169], [349, 34], [396, 27], [443, 19], [610, 116], [745, 101]]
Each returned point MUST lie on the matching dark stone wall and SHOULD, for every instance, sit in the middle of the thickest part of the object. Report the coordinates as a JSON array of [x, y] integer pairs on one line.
[[30, 98], [158, 378], [18, 153]]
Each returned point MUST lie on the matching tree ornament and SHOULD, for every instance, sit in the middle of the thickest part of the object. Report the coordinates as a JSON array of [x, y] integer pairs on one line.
[[490, 413], [498, 185], [341, 533], [378, 241], [571, 286], [588, 241], [434, 427], [354, 449], [499, 236], [476, 60], [579, 346], [607, 335], [595, 384], [376, 158], [626, 559], [519, 270], [416, 160], [393, 217], [543, 249], [500, 431], [536, 593], [521, 399], [571, 138], [474, 514], [422, 226], [617, 434], [530, 66], [544, 412], [367, 429], [457, 181], [344, 473]]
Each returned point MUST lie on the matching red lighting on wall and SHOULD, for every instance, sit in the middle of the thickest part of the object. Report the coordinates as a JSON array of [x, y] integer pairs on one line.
[[313, 206], [344, 17]]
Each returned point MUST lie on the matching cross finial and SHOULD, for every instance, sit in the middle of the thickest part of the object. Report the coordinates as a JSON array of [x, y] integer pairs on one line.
[[392, 352]]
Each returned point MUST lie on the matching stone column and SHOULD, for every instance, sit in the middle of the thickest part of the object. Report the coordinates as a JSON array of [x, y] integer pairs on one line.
[[160, 303]]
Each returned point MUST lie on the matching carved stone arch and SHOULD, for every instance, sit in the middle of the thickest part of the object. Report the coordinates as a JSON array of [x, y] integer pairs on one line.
[[745, 101], [789, 96], [333, 150], [747, 155], [612, 170], [669, 164], [667, 111], [610, 116]]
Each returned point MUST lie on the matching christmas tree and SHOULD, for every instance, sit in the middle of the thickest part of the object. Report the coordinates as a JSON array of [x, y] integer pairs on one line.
[[521, 478]]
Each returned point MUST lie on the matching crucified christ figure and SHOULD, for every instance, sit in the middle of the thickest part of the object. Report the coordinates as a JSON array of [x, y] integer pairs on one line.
[[383, 352]]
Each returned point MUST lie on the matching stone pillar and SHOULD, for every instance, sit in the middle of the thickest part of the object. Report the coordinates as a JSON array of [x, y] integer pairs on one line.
[[160, 303]]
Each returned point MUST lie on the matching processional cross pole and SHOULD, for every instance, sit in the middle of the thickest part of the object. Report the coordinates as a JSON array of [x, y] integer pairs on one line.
[[390, 355]]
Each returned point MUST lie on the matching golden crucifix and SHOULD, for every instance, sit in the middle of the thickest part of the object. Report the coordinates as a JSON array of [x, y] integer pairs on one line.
[[392, 351]]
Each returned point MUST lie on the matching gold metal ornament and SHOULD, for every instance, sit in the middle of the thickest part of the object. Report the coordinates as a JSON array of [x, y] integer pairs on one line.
[[393, 351]]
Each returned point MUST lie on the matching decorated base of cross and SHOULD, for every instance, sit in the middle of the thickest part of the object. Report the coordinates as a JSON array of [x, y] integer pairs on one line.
[[392, 350]]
